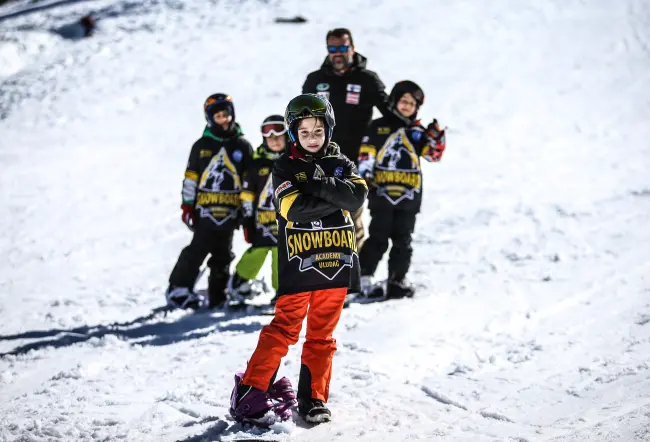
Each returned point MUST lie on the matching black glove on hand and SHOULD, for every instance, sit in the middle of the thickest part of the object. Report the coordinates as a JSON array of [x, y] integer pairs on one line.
[[308, 176], [433, 129]]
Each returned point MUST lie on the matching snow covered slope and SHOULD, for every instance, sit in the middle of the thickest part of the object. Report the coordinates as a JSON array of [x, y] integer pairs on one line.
[[532, 252]]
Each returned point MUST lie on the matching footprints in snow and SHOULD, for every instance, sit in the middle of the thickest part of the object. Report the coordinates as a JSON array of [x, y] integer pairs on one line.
[[443, 399], [643, 319]]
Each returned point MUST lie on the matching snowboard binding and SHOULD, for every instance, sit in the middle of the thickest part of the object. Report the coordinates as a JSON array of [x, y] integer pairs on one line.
[[262, 408]]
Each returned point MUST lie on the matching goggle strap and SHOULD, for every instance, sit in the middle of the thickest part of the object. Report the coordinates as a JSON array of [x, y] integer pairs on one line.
[[266, 123]]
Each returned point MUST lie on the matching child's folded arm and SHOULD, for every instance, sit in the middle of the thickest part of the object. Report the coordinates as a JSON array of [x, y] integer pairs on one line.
[[300, 208], [347, 193], [292, 202]]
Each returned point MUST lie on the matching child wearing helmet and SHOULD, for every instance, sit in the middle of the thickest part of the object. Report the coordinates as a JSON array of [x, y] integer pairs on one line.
[[389, 160], [259, 215], [316, 189], [211, 204]]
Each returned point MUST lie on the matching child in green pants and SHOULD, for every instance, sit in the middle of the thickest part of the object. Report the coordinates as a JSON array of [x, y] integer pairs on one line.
[[259, 215]]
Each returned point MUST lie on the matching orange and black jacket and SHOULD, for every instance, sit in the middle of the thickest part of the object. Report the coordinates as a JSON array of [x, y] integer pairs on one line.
[[389, 157], [317, 247], [259, 215], [213, 178]]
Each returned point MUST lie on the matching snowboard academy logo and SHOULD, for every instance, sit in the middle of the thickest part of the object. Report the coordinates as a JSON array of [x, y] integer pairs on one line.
[[325, 250], [397, 169], [266, 214], [319, 174], [218, 190]]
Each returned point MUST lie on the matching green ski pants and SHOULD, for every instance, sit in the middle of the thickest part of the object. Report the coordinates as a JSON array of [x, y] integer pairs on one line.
[[252, 260]]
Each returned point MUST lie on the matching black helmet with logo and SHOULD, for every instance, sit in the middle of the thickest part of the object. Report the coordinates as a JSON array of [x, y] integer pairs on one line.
[[307, 106], [216, 103]]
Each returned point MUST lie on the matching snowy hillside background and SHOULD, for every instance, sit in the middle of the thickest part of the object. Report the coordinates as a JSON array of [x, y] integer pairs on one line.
[[532, 253]]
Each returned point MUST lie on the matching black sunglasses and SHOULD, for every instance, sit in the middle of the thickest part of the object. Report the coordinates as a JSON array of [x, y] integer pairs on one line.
[[343, 49]]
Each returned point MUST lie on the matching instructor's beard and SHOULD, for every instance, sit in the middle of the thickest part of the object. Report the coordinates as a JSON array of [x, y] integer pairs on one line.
[[341, 63]]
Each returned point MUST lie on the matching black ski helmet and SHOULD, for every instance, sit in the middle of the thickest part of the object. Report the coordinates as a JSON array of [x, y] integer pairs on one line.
[[306, 106], [401, 88], [273, 125], [216, 103]]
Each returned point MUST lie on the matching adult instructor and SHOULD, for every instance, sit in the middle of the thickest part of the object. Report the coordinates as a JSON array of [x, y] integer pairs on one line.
[[353, 91]]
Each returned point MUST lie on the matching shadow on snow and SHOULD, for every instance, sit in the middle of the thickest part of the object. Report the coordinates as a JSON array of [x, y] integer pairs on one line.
[[154, 329]]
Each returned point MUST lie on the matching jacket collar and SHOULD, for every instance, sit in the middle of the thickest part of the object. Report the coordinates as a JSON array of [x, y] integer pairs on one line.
[[223, 135]]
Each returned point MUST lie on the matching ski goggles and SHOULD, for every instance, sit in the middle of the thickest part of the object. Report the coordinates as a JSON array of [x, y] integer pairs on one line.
[[213, 106], [341, 49], [211, 101], [273, 128]]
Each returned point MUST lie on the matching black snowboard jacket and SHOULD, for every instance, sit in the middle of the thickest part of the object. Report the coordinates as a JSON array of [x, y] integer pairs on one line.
[[259, 215], [390, 159], [213, 178], [317, 247]]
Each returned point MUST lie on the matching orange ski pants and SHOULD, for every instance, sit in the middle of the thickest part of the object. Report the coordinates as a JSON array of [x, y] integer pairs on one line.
[[323, 310]]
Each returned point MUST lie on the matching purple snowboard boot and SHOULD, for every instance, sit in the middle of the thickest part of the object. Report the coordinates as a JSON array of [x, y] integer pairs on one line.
[[282, 392], [250, 405]]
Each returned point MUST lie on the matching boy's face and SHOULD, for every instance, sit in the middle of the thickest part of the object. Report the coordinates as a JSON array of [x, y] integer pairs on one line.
[[276, 143], [407, 106], [311, 134], [223, 119]]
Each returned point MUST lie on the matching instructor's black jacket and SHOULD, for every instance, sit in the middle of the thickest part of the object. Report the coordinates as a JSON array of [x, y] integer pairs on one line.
[[353, 96], [317, 247]]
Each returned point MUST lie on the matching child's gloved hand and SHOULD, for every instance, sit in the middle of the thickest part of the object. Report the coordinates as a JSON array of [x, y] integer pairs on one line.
[[248, 226], [248, 235], [366, 169], [247, 209], [307, 177], [188, 216], [438, 142], [434, 131], [334, 166]]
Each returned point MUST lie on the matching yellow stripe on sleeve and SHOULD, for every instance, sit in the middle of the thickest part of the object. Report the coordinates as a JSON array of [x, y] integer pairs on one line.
[[368, 149], [358, 180], [191, 175], [247, 195], [286, 203]]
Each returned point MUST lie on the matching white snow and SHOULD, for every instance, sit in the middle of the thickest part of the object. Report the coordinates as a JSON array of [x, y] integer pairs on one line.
[[532, 252]]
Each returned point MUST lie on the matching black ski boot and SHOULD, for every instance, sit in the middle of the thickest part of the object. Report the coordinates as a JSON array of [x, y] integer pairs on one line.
[[217, 284], [239, 290], [183, 298], [314, 411], [371, 289], [397, 289]]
